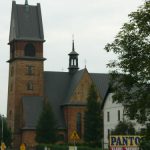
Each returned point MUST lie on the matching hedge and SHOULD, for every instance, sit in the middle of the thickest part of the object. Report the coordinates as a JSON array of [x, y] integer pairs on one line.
[[64, 147]]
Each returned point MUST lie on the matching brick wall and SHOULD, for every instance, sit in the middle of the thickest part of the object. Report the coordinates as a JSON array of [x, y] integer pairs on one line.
[[77, 105], [70, 113], [28, 137], [18, 80]]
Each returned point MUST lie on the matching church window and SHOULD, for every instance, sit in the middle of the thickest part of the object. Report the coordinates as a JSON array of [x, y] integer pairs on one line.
[[108, 133], [78, 124], [29, 50], [71, 62], [30, 70], [29, 85], [74, 62], [118, 115], [108, 117]]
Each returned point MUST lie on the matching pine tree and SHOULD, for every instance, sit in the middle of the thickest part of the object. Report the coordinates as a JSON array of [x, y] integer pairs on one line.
[[93, 119], [46, 127]]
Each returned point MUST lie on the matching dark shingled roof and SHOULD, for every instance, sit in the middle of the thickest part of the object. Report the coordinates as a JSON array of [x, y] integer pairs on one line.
[[32, 107], [58, 88], [102, 83], [26, 23], [73, 53], [75, 78]]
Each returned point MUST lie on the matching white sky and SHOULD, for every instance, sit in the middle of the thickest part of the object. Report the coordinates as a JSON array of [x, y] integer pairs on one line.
[[94, 23]]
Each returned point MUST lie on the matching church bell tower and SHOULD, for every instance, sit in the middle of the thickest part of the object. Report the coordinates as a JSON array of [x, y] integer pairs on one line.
[[26, 40], [73, 60]]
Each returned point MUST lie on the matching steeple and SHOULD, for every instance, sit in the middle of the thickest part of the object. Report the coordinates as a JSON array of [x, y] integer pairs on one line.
[[73, 49], [22, 28], [73, 60], [26, 2]]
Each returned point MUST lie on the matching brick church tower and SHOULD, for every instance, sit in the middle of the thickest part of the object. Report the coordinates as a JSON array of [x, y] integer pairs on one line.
[[25, 65]]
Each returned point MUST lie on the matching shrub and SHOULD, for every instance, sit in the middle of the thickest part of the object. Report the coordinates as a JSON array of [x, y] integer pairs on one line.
[[64, 147], [145, 145]]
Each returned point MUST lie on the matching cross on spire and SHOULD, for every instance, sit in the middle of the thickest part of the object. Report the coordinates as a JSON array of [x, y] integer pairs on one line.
[[73, 43], [26, 2], [85, 62]]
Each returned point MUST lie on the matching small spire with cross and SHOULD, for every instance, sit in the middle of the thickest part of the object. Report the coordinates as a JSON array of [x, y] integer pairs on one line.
[[26, 2], [85, 62], [73, 49]]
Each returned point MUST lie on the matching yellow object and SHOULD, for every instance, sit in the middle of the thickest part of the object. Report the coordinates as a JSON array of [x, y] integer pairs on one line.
[[74, 136], [22, 146], [3, 146]]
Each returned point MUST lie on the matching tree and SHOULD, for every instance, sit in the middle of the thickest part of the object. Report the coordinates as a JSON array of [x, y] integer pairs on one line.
[[46, 127], [132, 46], [124, 128], [146, 140], [93, 118], [7, 136]]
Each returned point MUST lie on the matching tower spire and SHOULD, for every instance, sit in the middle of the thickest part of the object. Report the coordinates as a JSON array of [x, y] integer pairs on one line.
[[26, 2], [73, 49], [73, 59]]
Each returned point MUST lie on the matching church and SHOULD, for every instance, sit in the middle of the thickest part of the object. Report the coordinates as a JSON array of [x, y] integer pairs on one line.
[[29, 85]]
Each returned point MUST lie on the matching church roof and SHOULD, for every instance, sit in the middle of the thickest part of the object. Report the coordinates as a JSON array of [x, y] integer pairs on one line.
[[101, 81], [58, 88], [31, 111], [55, 87], [75, 78], [62, 84], [73, 53], [26, 23]]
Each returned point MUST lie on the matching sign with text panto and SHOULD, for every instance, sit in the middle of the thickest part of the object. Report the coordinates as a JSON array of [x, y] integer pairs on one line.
[[125, 142]]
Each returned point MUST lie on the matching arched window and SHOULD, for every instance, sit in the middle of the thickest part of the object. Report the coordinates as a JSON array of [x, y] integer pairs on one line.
[[29, 50], [74, 62], [78, 124], [29, 85]]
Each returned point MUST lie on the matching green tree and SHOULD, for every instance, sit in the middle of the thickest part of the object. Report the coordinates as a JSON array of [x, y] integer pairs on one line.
[[132, 46], [93, 118], [124, 128], [7, 136], [146, 140], [46, 127]]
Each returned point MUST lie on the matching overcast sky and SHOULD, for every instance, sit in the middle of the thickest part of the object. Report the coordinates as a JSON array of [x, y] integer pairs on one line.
[[94, 23]]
